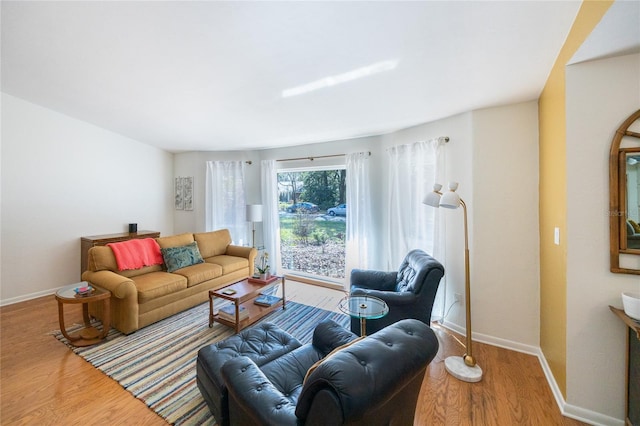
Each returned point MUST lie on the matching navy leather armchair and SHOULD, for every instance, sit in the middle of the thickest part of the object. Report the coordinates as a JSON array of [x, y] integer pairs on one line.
[[373, 382], [409, 292]]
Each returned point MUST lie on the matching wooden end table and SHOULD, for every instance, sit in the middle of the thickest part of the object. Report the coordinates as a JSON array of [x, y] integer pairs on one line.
[[244, 294], [88, 335]]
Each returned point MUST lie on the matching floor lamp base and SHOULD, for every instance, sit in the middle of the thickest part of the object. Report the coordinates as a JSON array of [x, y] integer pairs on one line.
[[457, 368]]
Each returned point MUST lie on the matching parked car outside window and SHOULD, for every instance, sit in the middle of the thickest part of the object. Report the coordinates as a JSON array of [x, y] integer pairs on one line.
[[339, 210], [304, 206]]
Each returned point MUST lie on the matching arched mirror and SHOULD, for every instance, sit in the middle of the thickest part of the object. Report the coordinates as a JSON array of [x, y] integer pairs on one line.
[[624, 197]]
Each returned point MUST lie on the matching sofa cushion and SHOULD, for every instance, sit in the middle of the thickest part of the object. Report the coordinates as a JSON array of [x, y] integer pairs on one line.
[[213, 243], [157, 284], [101, 258], [175, 240], [180, 257], [229, 264], [195, 274]]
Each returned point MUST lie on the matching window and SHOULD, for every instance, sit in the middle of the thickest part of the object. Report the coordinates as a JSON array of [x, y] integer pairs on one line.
[[312, 213]]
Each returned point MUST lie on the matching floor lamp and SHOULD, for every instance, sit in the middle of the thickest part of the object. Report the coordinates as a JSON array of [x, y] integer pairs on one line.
[[463, 368], [254, 214]]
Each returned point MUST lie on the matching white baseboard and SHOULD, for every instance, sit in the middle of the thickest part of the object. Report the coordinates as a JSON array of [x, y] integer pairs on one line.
[[568, 410], [25, 297]]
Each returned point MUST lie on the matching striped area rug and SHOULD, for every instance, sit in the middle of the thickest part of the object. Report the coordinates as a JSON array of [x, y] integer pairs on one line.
[[157, 364]]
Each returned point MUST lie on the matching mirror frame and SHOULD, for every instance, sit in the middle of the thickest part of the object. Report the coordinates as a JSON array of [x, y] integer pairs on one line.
[[618, 196]]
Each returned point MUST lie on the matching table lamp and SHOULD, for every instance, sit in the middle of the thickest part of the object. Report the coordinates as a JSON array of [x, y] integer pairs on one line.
[[254, 214]]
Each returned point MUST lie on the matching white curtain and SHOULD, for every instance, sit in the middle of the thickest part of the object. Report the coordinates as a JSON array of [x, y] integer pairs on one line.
[[359, 242], [270, 216], [413, 170], [225, 199]]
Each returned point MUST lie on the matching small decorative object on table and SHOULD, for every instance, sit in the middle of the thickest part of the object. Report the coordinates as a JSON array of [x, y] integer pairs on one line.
[[263, 266], [83, 290]]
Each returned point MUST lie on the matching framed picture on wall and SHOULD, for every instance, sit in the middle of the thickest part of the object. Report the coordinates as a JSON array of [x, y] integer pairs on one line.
[[179, 200], [187, 192]]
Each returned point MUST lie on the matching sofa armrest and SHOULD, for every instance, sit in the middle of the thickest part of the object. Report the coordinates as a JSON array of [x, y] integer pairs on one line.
[[119, 286], [249, 253], [253, 399], [377, 280]]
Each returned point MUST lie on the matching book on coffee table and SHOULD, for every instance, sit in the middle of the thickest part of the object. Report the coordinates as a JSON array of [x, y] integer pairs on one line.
[[229, 313], [266, 300]]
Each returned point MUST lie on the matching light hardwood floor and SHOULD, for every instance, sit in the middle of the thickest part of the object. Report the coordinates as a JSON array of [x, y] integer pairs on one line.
[[42, 382]]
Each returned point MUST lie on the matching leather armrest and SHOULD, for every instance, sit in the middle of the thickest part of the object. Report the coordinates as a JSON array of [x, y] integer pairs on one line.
[[391, 298], [377, 280], [253, 399]]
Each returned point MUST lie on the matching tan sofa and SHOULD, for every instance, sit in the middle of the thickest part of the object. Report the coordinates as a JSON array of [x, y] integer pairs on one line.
[[143, 296]]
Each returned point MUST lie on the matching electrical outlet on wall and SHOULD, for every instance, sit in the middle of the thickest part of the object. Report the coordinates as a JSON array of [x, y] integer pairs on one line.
[[457, 297]]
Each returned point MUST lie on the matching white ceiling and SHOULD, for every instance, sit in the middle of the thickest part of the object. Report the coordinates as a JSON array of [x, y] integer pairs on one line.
[[187, 76]]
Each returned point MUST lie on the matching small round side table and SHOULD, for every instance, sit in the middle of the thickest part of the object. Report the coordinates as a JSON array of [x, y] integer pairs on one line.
[[88, 335], [364, 307]]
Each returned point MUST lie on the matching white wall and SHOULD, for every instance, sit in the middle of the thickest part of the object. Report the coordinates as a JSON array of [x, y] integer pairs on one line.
[[62, 179], [485, 147], [600, 95], [506, 248]]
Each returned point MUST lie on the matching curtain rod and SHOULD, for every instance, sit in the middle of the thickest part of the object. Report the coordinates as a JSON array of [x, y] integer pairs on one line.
[[311, 158]]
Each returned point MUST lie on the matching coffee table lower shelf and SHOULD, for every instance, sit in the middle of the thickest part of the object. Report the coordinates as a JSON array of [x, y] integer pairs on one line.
[[245, 294]]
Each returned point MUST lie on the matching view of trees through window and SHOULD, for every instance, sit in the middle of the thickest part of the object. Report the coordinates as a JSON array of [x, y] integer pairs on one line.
[[313, 221]]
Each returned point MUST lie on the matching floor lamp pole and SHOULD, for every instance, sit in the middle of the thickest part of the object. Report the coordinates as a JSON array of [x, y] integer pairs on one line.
[[465, 368]]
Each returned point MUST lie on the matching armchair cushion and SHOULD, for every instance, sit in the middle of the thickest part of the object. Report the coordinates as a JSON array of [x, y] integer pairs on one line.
[[378, 280]]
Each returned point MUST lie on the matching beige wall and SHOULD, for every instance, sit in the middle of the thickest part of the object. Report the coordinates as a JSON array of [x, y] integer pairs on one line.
[[600, 95]]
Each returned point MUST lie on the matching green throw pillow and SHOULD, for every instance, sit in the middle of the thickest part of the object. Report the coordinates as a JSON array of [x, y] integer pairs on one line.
[[180, 257]]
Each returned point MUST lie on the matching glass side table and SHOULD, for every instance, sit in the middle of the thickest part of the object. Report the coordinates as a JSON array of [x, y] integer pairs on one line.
[[364, 307]]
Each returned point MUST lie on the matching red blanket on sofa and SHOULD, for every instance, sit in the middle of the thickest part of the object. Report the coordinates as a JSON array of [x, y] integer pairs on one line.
[[134, 254]]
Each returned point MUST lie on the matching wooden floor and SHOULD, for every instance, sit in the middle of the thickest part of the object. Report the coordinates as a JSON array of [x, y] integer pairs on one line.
[[42, 382]]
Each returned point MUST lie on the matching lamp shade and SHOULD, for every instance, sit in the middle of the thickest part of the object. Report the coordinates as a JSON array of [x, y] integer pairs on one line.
[[254, 212], [433, 198], [450, 199]]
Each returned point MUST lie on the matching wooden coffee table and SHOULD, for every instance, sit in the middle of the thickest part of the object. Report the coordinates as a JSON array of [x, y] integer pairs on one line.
[[244, 294], [88, 335]]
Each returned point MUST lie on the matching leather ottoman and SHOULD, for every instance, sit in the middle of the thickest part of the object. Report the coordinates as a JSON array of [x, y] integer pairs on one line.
[[261, 343]]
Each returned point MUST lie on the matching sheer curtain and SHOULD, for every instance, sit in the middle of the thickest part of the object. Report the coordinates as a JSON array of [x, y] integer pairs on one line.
[[225, 199], [413, 169], [270, 217], [359, 244]]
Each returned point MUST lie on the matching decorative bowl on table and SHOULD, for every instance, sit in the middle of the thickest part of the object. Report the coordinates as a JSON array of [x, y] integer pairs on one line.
[[84, 290], [631, 305]]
